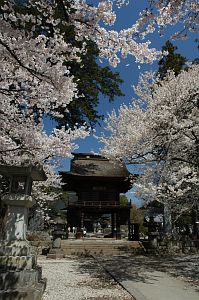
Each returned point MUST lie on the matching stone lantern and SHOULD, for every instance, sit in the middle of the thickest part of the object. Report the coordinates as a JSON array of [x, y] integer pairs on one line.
[[19, 272]]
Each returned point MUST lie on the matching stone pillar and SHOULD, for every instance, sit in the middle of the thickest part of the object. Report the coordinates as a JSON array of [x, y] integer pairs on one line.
[[17, 216], [20, 276]]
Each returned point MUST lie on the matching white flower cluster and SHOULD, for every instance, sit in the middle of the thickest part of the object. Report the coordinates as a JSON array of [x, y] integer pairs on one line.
[[162, 13], [160, 131], [34, 81]]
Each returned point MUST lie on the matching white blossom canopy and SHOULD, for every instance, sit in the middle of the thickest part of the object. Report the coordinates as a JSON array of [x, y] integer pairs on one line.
[[160, 130]]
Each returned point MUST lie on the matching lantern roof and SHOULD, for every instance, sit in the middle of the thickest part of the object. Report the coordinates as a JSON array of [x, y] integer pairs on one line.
[[36, 173]]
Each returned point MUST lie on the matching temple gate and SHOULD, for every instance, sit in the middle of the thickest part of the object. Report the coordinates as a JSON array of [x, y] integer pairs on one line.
[[97, 183]]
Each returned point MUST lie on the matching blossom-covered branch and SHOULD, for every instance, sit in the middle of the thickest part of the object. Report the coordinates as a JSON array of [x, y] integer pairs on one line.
[[160, 130]]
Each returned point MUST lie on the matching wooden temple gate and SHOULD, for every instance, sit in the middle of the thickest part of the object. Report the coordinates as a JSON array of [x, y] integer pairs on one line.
[[97, 183]]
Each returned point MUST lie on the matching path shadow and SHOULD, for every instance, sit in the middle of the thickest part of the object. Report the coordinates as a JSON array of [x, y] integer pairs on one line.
[[137, 268]]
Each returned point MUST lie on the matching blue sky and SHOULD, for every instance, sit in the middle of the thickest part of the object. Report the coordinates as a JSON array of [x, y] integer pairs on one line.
[[129, 72]]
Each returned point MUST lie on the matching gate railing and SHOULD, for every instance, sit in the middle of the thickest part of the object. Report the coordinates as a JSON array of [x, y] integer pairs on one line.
[[98, 204]]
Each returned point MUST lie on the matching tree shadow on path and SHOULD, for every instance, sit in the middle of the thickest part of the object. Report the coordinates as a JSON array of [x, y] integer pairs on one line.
[[144, 268]]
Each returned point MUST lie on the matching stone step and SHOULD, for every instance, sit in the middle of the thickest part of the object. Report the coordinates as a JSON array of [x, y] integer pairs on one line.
[[101, 247], [83, 249], [94, 249], [90, 253], [81, 242], [105, 248], [19, 279], [91, 247], [17, 248], [30, 293], [96, 244], [100, 251], [100, 241], [17, 262]]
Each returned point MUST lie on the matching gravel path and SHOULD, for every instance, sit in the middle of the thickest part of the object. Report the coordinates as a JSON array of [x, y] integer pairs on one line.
[[85, 278], [79, 279]]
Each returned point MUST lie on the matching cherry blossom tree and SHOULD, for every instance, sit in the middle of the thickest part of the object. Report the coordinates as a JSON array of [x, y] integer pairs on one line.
[[130, 41], [160, 131], [161, 13], [34, 79], [33, 82]]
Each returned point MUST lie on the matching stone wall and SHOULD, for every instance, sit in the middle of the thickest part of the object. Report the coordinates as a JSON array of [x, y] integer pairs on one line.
[[183, 244]]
